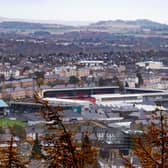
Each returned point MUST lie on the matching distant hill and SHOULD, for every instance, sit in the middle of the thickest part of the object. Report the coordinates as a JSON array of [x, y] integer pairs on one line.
[[26, 25], [59, 22], [20, 26], [140, 23], [111, 26]]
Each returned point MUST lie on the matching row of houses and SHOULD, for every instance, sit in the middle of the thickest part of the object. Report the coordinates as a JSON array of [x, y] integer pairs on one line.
[[17, 93]]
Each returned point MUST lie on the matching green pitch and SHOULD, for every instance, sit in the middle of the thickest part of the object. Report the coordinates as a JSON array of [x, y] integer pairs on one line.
[[10, 123]]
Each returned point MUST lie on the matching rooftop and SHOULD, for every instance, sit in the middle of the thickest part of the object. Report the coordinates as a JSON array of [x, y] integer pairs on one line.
[[3, 104]]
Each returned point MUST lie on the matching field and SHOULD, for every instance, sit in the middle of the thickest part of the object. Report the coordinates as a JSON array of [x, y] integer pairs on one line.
[[10, 123]]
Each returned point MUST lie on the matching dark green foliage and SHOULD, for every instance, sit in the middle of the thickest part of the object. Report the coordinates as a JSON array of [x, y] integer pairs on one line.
[[73, 80], [140, 79], [39, 74]]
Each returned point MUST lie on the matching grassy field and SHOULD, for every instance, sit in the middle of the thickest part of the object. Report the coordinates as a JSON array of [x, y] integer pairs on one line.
[[10, 123]]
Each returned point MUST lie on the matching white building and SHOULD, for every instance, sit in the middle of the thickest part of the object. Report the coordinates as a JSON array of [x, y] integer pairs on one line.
[[150, 64], [9, 72], [95, 65]]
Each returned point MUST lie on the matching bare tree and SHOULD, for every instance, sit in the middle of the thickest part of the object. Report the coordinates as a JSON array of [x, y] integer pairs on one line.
[[60, 149], [151, 148], [10, 156]]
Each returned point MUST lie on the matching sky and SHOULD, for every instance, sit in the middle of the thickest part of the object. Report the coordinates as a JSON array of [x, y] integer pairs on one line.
[[85, 10]]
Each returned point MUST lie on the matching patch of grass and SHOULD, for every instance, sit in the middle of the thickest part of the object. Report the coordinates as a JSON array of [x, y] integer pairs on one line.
[[11, 123]]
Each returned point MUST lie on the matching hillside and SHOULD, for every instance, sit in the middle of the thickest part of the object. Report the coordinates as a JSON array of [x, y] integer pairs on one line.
[[20, 26], [137, 25], [111, 26]]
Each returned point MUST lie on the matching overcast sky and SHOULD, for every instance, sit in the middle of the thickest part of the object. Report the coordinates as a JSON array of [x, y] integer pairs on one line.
[[85, 10]]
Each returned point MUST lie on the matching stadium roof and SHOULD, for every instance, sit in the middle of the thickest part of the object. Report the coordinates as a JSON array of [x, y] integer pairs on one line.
[[2, 104]]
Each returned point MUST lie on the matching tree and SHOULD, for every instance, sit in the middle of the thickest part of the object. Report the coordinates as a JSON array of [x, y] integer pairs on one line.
[[2, 78], [52, 84], [126, 84], [36, 149], [101, 82], [73, 80], [151, 147], [140, 79], [87, 151], [39, 81], [119, 83], [39, 76], [9, 156], [121, 86], [60, 149]]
